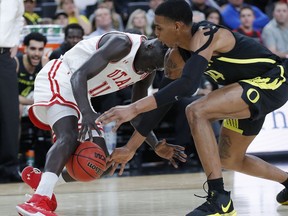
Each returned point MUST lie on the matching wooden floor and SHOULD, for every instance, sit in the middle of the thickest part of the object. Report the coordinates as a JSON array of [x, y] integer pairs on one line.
[[153, 195]]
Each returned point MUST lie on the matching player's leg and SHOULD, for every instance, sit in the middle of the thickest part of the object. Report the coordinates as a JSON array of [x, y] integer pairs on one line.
[[219, 104], [64, 122], [233, 147]]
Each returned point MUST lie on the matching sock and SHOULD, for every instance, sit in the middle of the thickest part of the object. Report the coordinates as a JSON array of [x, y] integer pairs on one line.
[[60, 181], [47, 184], [216, 184], [285, 183]]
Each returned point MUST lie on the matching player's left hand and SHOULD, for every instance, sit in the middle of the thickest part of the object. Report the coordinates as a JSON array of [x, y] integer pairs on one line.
[[88, 124], [120, 156], [170, 152]]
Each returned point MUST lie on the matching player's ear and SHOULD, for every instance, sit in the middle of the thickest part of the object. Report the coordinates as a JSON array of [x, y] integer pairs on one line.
[[178, 25]]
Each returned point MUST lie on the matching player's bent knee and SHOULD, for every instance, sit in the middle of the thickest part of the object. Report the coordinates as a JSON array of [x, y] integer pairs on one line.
[[193, 112]]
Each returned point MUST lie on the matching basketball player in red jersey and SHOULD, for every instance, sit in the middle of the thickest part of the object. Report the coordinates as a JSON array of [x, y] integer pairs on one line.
[[63, 89]]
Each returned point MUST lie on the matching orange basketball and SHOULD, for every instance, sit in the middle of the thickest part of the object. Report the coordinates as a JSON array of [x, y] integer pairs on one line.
[[87, 163]]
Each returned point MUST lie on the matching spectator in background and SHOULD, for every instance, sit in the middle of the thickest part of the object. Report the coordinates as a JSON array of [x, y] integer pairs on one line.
[[121, 7], [31, 18], [11, 24], [153, 4], [246, 28], [138, 20], [275, 33], [61, 18], [28, 66], [74, 16], [117, 21], [198, 16], [231, 16], [102, 22], [213, 15], [73, 34], [200, 5]]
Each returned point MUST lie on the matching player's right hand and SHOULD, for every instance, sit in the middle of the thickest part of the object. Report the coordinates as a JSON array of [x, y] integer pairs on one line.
[[88, 124], [120, 156]]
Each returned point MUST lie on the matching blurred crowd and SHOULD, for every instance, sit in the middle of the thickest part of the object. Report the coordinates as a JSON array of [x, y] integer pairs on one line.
[[266, 21]]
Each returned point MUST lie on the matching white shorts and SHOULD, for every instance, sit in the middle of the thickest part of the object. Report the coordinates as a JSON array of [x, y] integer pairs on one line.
[[53, 96], [52, 86]]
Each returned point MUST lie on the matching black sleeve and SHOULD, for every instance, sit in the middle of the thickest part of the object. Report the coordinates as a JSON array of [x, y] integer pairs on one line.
[[186, 85], [146, 122]]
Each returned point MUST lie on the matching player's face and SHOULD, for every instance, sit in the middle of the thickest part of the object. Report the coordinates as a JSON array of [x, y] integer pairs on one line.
[[166, 31], [34, 52]]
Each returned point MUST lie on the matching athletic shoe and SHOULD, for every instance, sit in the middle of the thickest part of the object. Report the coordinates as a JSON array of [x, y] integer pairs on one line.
[[282, 197], [37, 206], [32, 176], [217, 204]]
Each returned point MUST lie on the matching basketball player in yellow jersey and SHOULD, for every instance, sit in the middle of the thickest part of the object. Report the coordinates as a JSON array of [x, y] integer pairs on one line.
[[63, 88], [255, 84]]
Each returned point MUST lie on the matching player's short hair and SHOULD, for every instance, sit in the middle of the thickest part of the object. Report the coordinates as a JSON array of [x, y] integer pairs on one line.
[[34, 36], [176, 10], [73, 26]]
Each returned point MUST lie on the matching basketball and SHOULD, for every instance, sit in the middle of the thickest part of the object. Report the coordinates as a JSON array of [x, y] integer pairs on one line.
[[87, 163]]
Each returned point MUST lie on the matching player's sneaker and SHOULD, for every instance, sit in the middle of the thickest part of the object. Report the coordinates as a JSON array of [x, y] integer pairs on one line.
[[32, 176], [282, 197], [37, 206], [217, 204]]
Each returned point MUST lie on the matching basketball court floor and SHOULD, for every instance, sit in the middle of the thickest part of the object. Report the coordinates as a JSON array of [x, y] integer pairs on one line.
[[153, 195]]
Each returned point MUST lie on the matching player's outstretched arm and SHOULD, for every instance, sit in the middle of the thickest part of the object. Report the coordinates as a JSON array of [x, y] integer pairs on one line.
[[121, 114], [121, 156]]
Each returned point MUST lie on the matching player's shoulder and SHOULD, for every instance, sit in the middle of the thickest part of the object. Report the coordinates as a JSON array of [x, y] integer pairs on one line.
[[205, 29], [120, 36], [206, 34]]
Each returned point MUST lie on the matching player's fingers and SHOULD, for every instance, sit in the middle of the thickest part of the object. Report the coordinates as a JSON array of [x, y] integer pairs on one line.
[[174, 163], [109, 164], [90, 135], [106, 117], [82, 134], [95, 127], [178, 157], [114, 167], [179, 148], [122, 168], [181, 154]]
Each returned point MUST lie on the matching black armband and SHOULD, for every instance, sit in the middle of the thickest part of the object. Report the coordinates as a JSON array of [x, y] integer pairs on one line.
[[186, 85], [146, 122]]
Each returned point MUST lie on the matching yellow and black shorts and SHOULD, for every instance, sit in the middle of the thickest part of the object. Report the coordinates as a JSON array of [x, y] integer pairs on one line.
[[263, 95]]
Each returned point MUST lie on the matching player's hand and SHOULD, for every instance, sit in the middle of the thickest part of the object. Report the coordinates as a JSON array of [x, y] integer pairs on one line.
[[170, 152], [88, 124], [119, 114], [120, 156]]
